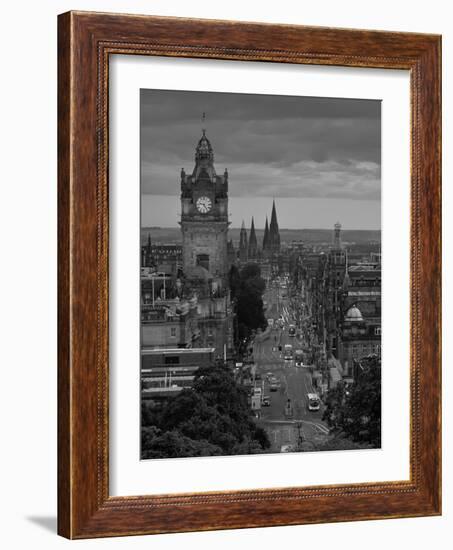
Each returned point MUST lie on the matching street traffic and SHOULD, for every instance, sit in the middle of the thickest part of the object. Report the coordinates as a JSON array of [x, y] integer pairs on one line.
[[285, 382]]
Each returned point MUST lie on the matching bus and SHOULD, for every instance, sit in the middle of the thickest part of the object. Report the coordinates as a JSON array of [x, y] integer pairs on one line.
[[292, 330], [288, 353], [313, 402]]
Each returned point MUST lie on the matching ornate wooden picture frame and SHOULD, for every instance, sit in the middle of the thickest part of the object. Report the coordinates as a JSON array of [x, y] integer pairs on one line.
[[86, 41]]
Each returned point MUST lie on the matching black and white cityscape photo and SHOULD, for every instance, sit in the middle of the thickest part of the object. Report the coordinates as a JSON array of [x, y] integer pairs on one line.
[[260, 274]]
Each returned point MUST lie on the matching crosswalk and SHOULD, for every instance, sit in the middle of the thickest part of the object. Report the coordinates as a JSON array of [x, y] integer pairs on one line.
[[317, 425]]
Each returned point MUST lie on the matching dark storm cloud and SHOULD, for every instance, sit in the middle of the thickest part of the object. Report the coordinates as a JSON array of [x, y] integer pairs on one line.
[[272, 145]]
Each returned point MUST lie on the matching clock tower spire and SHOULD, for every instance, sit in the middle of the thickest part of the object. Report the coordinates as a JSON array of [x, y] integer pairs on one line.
[[204, 213], [204, 226]]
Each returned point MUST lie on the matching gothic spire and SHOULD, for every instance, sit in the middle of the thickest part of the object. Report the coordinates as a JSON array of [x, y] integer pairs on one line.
[[274, 223], [274, 234], [253, 245], [266, 236], [243, 248]]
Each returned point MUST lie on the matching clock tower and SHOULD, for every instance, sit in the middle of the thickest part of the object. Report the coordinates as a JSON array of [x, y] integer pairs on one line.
[[204, 215], [204, 227]]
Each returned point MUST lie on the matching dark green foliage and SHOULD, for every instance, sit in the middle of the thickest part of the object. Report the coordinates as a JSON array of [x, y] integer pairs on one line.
[[250, 271], [157, 444], [249, 300], [355, 410], [234, 280], [211, 418]]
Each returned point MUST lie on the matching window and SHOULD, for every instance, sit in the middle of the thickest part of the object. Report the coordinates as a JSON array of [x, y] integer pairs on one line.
[[173, 332], [203, 261], [172, 360], [377, 331]]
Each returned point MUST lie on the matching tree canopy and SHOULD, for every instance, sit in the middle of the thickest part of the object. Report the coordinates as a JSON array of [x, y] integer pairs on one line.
[[211, 418], [355, 409], [247, 288], [159, 444]]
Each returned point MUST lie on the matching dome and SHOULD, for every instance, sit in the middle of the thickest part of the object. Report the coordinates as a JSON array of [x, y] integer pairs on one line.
[[353, 315]]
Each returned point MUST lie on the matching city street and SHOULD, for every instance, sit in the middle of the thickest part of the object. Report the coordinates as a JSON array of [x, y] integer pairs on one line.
[[287, 419]]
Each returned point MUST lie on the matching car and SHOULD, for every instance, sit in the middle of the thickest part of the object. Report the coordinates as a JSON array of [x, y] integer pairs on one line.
[[287, 449], [266, 401]]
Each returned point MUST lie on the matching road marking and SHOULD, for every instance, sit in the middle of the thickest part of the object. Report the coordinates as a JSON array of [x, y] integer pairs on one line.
[[320, 427]]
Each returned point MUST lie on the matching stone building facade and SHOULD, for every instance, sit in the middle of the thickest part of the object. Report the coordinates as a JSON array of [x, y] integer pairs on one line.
[[204, 226]]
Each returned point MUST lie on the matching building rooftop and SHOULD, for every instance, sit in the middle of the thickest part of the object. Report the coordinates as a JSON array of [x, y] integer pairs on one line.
[[173, 351], [353, 315]]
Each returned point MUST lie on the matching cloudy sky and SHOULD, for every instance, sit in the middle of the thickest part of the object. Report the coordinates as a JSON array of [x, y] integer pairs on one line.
[[318, 157]]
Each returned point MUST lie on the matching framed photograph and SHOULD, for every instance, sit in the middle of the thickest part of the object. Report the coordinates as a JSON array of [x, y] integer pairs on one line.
[[249, 275]]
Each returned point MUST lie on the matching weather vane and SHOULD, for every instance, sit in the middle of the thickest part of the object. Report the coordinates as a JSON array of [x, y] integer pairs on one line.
[[203, 119]]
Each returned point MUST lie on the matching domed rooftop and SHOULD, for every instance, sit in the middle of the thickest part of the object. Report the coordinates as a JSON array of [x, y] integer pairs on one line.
[[353, 315]]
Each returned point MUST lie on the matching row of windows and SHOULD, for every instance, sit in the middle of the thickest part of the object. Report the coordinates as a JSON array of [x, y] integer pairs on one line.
[[364, 349]]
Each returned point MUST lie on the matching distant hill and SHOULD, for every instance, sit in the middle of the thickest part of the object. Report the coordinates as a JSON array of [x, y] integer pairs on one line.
[[312, 236]]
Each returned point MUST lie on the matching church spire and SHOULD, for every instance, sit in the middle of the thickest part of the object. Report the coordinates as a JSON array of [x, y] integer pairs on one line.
[[253, 245], [274, 223], [266, 236], [274, 234], [243, 247]]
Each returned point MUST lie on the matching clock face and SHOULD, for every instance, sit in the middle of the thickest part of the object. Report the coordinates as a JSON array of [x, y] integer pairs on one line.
[[204, 205]]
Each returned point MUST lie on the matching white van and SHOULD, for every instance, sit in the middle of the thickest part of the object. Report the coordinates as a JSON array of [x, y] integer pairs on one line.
[[313, 402]]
